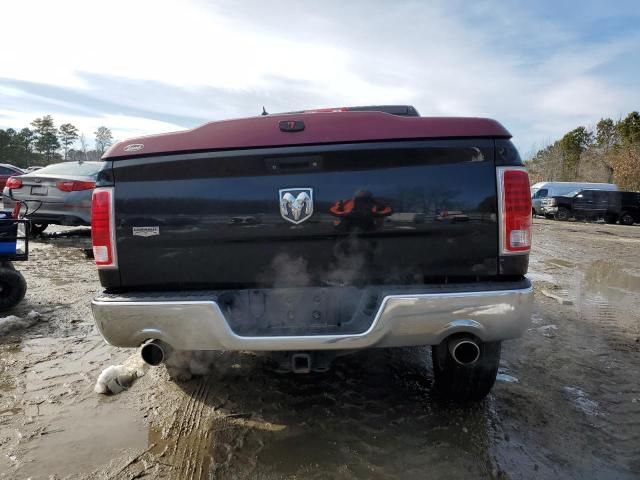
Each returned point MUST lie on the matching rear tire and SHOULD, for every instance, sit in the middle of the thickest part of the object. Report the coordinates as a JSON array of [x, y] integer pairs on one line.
[[465, 383], [13, 288], [563, 214], [38, 228], [626, 218]]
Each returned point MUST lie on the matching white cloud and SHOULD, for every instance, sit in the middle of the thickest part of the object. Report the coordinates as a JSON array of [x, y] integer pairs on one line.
[[122, 126], [138, 62]]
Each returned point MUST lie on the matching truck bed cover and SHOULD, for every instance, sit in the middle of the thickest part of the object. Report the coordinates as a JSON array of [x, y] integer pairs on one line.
[[319, 128]]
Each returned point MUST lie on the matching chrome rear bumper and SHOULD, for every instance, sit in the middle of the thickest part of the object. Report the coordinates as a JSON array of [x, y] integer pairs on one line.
[[401, 320]]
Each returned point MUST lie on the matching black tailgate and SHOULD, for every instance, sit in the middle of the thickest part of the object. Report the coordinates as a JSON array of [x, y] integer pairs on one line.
[[388, 212]]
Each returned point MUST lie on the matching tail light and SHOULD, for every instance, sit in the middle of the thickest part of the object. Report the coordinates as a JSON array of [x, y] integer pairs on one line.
[[103, 228], [74, 186], [13, 183], [514, 207]]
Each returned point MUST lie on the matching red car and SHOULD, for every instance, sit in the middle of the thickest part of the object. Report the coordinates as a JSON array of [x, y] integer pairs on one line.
[[7, 171]]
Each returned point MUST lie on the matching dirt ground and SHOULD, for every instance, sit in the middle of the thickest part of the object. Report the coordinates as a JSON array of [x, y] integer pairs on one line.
[[566, 404]]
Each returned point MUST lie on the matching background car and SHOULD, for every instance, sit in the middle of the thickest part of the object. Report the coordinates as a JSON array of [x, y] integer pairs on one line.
[[59, 194], [7, 171], [32, 169]]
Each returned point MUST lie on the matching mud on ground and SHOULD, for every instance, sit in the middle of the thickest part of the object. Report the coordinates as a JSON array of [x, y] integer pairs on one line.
[[566, 404]]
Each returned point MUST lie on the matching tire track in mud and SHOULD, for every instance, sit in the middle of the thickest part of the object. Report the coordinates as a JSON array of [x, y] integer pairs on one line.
[[202, 441], [188, 455]]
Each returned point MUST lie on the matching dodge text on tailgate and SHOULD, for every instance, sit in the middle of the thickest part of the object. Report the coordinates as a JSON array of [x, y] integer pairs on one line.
[[310, 234]]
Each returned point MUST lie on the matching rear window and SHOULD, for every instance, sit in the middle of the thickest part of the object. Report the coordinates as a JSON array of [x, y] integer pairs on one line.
[[71, 168]]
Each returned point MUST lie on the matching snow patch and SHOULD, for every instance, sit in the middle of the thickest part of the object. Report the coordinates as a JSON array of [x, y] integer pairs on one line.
[[540, 277], [116, 378], [581, 401], [12, 322], [548, 330], [503, 377]]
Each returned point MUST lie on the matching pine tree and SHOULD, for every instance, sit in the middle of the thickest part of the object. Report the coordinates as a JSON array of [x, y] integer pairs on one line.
[[46, 142], [67, 134]]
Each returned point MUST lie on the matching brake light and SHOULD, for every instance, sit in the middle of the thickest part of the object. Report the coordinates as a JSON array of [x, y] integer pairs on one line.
[[103, 228], [515, 210], [13, 183], [74, 186]]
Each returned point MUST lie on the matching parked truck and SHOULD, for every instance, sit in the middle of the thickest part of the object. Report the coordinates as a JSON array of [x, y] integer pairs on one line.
[[542, 190], [344, 249], [611, 206]]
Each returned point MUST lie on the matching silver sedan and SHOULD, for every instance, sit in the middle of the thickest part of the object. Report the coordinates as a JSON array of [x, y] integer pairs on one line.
[[57, 194]]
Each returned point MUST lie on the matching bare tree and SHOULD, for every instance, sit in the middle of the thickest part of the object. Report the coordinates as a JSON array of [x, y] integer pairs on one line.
[[104, 139], [83, 146]]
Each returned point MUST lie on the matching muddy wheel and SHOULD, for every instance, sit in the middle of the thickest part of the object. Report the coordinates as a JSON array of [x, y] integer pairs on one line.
[[12, 288], [38, 228], [563, 214], [626, 218], [465, 383]]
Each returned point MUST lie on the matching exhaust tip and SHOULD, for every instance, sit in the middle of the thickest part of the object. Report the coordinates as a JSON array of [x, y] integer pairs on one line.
[[464, 351], [154, 353]]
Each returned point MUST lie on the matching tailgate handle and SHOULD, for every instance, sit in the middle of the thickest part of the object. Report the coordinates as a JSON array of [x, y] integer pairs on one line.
[[303, 163]]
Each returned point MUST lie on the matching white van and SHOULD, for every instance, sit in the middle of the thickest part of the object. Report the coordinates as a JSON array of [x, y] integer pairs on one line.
[[542, 190]]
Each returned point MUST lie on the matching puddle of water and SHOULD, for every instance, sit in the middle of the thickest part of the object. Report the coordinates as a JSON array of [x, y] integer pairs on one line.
[[610, 280], [609, 295], [80, 438]]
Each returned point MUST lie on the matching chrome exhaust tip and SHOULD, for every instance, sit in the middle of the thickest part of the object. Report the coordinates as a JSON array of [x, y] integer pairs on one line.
[[464, 350], [155, 352]]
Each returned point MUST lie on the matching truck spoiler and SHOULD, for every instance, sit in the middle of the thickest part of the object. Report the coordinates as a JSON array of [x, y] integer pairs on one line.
[[311, 128]]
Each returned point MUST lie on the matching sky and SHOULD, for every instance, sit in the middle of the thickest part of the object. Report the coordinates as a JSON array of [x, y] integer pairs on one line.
[[143, 67]]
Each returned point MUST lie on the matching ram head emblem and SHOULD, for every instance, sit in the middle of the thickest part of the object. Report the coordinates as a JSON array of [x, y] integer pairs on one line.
[[296, 204]]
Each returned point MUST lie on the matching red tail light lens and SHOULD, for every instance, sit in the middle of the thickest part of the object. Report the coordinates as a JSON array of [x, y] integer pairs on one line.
[[13, 183], [75, 186], [103, 228], [515, 210]]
